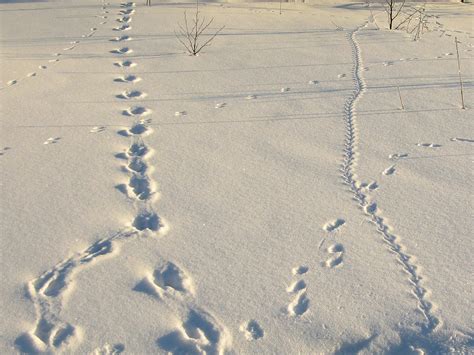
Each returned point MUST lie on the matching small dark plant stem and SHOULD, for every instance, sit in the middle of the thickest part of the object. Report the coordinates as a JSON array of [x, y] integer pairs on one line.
[[459, 72]]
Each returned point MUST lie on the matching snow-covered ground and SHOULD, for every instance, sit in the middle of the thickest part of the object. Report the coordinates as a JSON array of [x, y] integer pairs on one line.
[[269, 196]]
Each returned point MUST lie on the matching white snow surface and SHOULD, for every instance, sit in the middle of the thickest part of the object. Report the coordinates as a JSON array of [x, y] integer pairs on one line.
[[269, 196]]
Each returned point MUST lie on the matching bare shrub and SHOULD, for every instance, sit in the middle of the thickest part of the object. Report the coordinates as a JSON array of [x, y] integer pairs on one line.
[[193, 34], [393, 8]]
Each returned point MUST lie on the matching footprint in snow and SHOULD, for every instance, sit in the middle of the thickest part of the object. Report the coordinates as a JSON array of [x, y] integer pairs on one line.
[[252, 330], [124, 50], [52, 140], [299, 305], [334, 225], [138, 129], [97, 129], [465, 140], [3, 150], [369, 186], [148, 220], [123, 28], [125, 64], [398, 156], [108, 349], [335, 259], [128, 79], [299, 270], [136, 111], [167, 279], [296, 286], [121, 39], [133, 94], [429, 145], [390, 170]]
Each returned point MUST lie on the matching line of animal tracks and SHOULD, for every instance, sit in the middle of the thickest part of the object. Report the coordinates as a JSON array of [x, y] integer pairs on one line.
[[361, 194], [200, 331]]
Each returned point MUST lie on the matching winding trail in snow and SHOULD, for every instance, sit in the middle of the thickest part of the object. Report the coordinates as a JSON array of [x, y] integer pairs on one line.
[[364, 200]]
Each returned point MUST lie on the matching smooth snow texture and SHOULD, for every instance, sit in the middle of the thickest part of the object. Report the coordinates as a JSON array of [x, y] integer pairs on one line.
[[304, 185]]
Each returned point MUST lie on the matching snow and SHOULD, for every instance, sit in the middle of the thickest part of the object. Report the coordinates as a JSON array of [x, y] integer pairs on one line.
[[270, 195]]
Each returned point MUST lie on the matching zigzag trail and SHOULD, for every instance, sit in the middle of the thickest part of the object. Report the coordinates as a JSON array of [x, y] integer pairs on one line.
[[48, 292], [395, 245]]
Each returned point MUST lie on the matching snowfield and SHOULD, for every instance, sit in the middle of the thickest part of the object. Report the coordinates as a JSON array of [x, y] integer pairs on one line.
[[303, 186]]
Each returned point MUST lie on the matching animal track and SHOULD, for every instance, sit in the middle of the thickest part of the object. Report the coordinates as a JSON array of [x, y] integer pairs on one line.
[[125, 19], [252, 330], [398, 156], [136, 111], [134, 94], [300, 270], [336, 252], [50, 333], [52, 140], [334, 225], [296, 286], [465, 140], [128, 79], [429, 145], [124, 27], [137, 129], [125, 64], [148, 220], [108, 349], [3, 150], [201, 333], [124, 50], [390, 170], [140, 185], [299, 305], [121, 39], [126, 12], [97, 129], [168, 279]]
